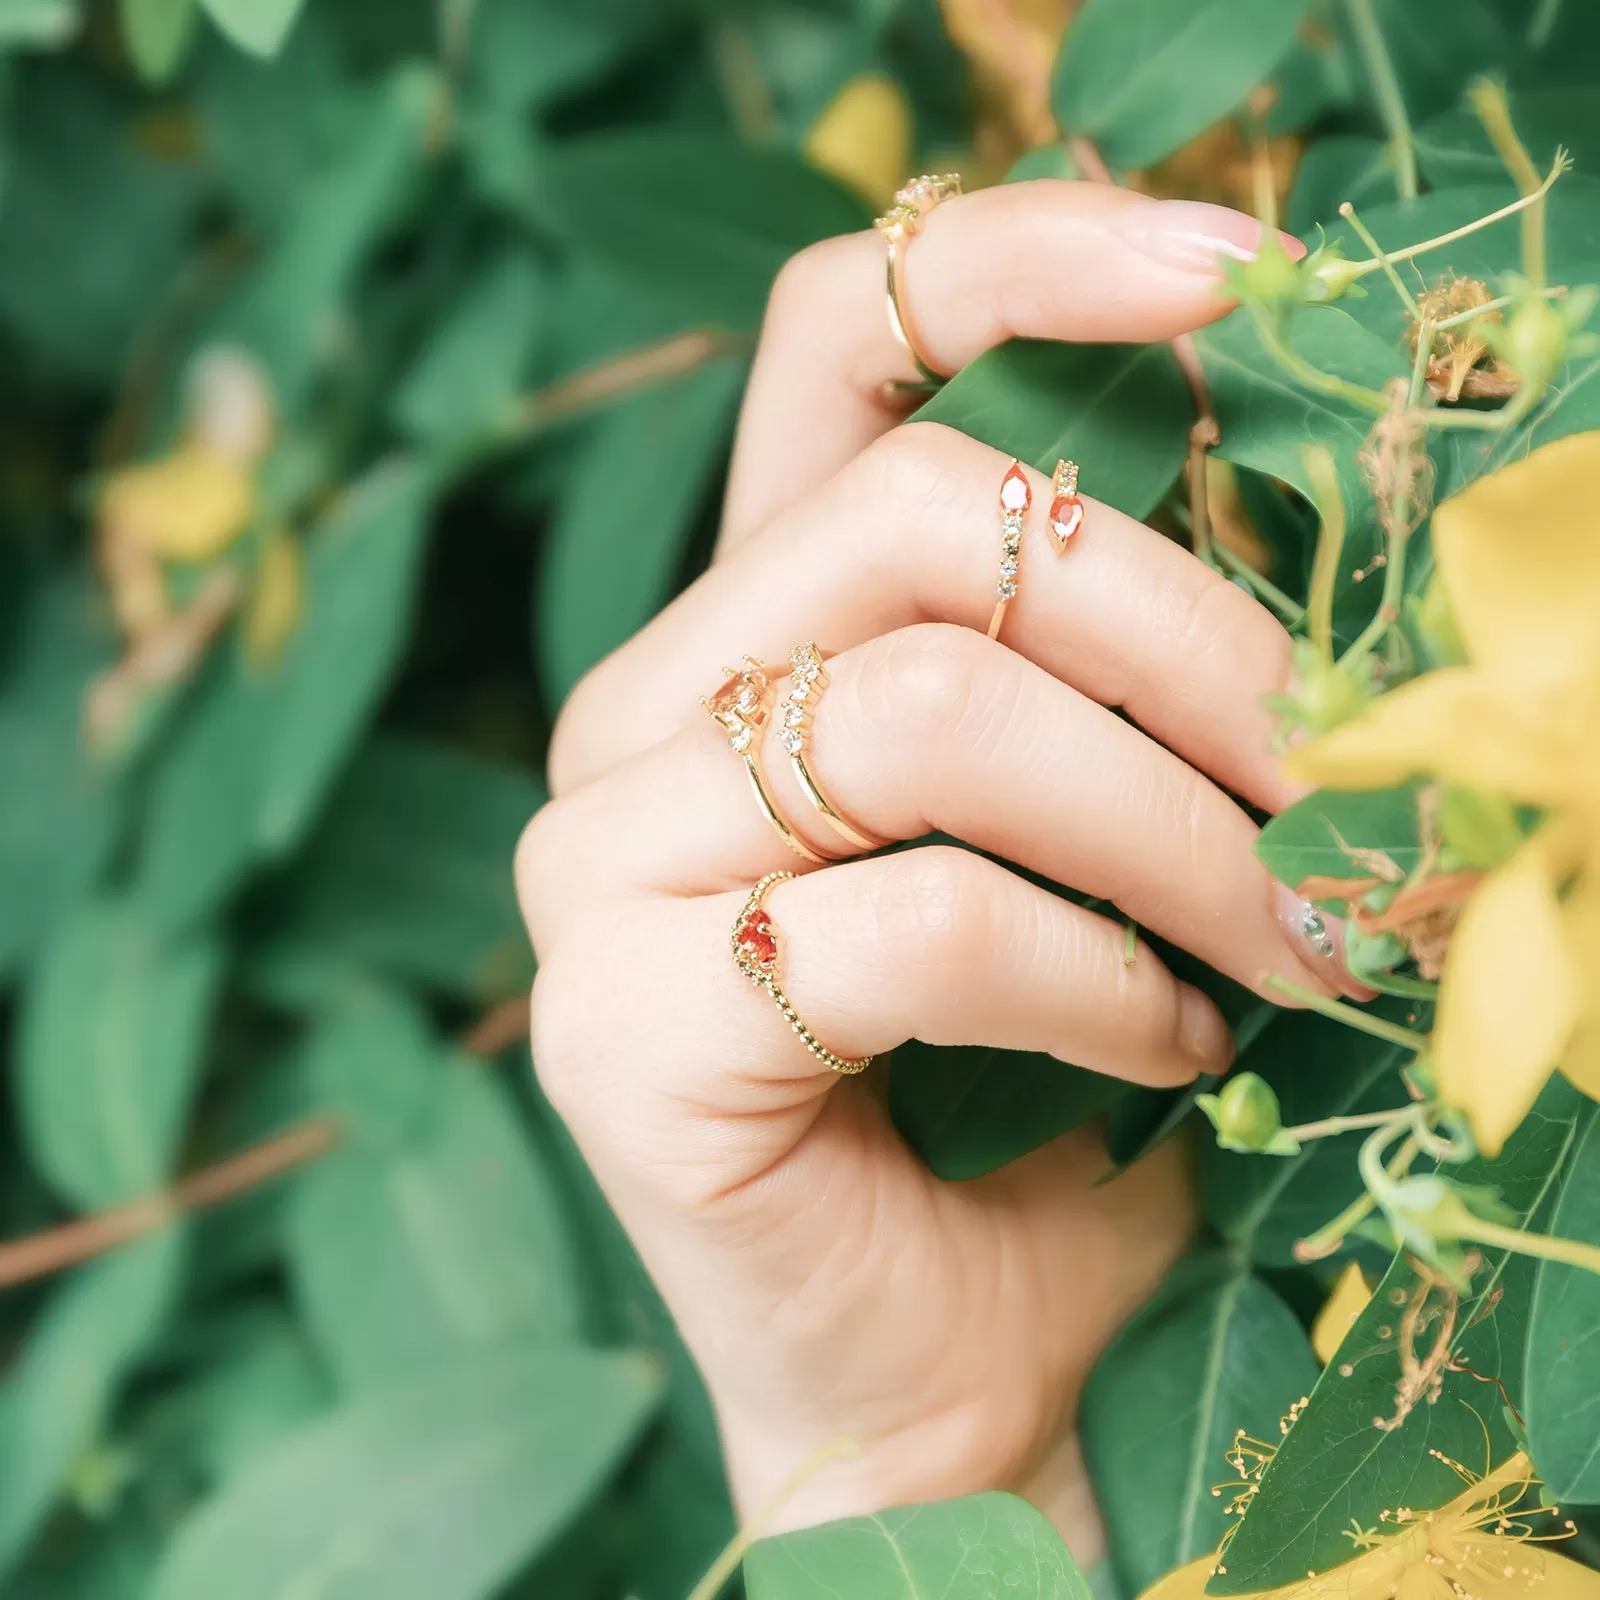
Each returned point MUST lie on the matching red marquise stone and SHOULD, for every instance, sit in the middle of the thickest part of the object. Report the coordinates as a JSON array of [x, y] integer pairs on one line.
[[1066, 516], [1015, 494], [756, 937]]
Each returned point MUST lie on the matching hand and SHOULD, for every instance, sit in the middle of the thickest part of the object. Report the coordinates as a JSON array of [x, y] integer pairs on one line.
[[826, 1283]]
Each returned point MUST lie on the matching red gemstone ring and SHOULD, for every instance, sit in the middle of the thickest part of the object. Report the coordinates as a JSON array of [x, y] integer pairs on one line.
[[1016, 495], [755, 952]]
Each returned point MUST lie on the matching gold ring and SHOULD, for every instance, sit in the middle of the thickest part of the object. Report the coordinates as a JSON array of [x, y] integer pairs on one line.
[[741, 707], [899, 225], [1016, 495], [1066, 509], [755, 952], [807, 681]]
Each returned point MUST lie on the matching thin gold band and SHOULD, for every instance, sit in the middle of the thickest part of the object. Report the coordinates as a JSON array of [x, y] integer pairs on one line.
[[740, 707], [754, 942], [1016, 495], [808, 679], [899, 225]]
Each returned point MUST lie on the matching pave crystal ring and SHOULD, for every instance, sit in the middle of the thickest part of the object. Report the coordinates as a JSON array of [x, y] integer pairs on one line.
[[899, 225], [741, 708], [754, 942], [1016, 495], [808, 678]]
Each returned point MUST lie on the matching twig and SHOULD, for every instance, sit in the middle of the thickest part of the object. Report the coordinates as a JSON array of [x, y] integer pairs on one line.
[[1407, 299], [500, 1027], [1488, 101], [1291, 612], [1351, 1017], [38, 1254], [1391, 104], [1329, 1126]]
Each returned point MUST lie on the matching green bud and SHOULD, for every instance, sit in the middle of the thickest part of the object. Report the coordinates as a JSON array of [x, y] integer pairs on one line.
[[1271, 280], [1481, 828], [1327, 693], [1326, 276], [1245, 1115], [1372, 952], [1533, 341]]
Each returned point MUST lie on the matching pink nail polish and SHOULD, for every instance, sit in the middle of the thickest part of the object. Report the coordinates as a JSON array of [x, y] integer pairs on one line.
[[1318, 938], [1193, 236]]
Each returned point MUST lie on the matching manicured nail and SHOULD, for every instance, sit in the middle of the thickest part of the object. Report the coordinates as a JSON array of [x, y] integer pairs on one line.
[[1194, 236], [1202, 1034], [1318, 939]]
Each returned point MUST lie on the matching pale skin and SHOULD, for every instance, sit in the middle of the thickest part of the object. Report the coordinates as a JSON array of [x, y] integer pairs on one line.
[[828, 1286]]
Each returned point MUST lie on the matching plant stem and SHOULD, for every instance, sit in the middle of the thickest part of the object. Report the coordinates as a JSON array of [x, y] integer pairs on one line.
[[1329, 1126], [1297, 366], [1265, 589], [1331, 1235], [1348, 212], [1419, 365], [1557, 293], [1544, 1245], [1543, 24], [1508, 416], [1350, 1016], [1488, 100], [1391, 106], [1388, 612]]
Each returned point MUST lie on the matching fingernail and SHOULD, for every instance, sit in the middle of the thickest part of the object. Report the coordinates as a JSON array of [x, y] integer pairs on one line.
[[1318, 939], [1202, 1034], [1192, 235]]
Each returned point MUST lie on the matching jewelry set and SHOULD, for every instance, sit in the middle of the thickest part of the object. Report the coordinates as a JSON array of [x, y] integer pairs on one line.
[[744, 704]]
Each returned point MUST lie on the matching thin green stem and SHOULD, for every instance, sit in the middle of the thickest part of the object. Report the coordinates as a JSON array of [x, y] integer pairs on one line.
[[1298, 367], [1130, 942], [1557, 293], [1265, 589], [1328, 1238], [1508, 416], [1419, 364], [1386, 86], [1407, 299], [1488, 100], [1406, 1038], [1329, 1126], [1546, 1246], [1388, 612], [1543, 24]]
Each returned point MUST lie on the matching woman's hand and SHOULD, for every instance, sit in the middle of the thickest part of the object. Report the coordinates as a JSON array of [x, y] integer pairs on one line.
[[826, 1283]]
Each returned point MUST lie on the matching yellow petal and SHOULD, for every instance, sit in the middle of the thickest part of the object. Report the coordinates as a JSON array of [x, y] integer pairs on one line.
[[1521, 561], [189, 506], [1561, 1578], [863, 137], [1183, 1583], [1509, 998], [1457, 724], [275, 602], [1339, 1312]]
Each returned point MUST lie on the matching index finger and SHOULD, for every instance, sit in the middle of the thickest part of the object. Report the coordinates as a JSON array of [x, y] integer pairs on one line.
[[1046, 259]]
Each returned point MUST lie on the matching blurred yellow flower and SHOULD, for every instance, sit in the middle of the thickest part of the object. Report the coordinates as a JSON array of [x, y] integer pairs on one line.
[[863, 137], [188, 506], [1337, 1317], [276, 599], [1519, 557], [1488, 1543]]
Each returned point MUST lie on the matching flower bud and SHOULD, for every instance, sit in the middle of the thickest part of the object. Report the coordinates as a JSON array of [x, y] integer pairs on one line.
[[1372, 953], [1325, 693], [1272, 279], [1533, 342], [1327, 276], [1245, 1115]]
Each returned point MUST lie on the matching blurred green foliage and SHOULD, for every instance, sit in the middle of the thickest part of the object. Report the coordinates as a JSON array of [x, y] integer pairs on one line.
[[261, 875]]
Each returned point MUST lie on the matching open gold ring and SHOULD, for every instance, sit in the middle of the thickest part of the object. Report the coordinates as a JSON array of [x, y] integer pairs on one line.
[[899, 225]]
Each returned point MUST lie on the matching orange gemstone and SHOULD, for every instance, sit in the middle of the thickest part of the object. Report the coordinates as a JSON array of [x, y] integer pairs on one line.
[[1015, 495], [1066, 517], [757, 940]]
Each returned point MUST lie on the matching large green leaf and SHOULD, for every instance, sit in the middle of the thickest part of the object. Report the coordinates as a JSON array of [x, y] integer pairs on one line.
[[1318, 1068], [969, 1109], [1313, 838], [57, 1392], [986, 1544], [113, 1029], [444, 1236], [1215, 1351], [409, 874], [611, 561], [1335, 1465], [259, 26], [703, 219], [1141, 77], [157, 34], [1562, 1383], [37, 24], [1454, 149], [437, 1488], [57, 813], [1122, 410], [253, 762]]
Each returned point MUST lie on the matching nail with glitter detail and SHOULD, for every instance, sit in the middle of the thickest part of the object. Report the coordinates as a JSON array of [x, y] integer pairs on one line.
[[1319, 938]]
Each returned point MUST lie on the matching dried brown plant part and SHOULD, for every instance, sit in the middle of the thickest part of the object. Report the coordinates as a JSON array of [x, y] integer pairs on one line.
[[1456, 365], [1396, 466], [1422, 1374]]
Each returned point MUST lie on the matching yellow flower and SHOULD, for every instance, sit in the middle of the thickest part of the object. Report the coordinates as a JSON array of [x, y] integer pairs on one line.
[[863, 137], [1486, 1543], [188, 506], [1519, 556], [1337, 1317]]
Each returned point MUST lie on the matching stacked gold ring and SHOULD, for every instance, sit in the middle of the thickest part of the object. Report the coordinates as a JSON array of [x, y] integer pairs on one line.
[[899, 225], [808, 679]]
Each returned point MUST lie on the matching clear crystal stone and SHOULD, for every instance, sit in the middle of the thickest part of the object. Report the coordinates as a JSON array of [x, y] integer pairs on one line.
[[790, 739], [1006, 589], [740, 741], [794, 715], [1008, 567]]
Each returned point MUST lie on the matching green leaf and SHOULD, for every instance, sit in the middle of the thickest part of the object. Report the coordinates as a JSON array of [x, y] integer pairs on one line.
[[463, 382], [408, 874], [38, 24], [439, 1488], [251, 765], [447, 1241], [1318, 1068], [1304, 841], [611, 561], [1562, 1402], [1452, 148], [113, 1030], [704, 220], [158, 34], [57, 812], [58, 1391], [1215, 1351], [969, 1109], [1339, 168], [1122, 410], [984, 1544], [259, 26], [1141, 77], [1335, 1465]]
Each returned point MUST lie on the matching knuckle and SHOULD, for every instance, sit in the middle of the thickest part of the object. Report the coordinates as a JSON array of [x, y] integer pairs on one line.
[[911, 469], [809, 279], [566, 761], [925, 678], [930, 902], [541, 847], [1219, 622], [560, 1019]]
